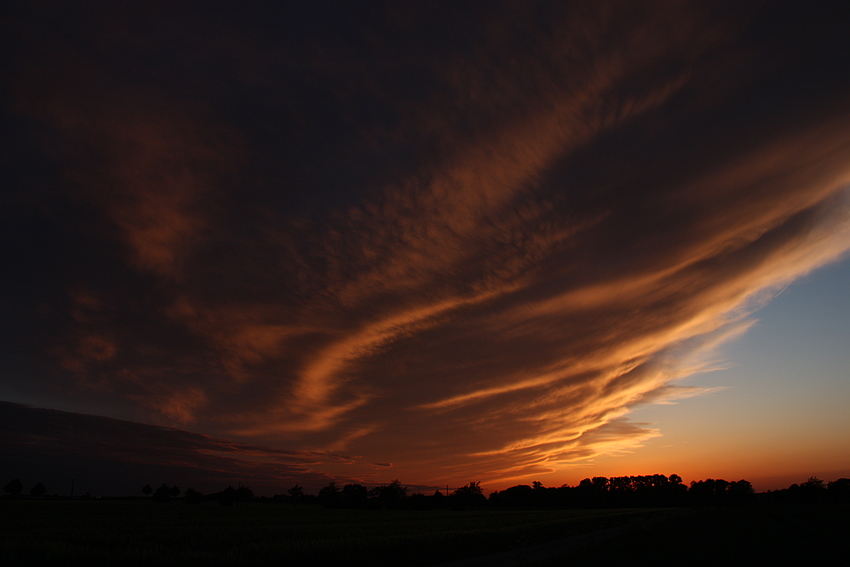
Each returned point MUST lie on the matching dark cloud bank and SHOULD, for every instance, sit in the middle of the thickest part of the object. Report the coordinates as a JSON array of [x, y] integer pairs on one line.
[[106, 456], [463, 240]]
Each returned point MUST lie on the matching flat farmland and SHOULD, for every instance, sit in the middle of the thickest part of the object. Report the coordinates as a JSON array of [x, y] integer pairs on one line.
[[775, 535], [128, 532]]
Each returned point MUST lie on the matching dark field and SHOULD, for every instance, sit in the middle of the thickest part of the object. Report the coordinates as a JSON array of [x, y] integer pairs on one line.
[[757, 535], [144, 533]]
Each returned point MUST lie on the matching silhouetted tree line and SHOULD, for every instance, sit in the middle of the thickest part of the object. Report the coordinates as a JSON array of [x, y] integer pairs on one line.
[[15, 488], [393, 495], [813, 491], [598, 492], [355, 496], [655, 490], [227, 497], [661, 491], [164, 493]]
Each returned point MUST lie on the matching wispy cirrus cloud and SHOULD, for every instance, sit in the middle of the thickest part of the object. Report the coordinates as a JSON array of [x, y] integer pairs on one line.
[[466, 243]]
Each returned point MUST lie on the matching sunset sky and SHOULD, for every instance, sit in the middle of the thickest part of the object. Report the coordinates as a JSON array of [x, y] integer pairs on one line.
[[438, 242]]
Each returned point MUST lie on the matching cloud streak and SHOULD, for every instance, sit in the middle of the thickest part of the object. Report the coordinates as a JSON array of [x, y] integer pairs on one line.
[[465, 243]]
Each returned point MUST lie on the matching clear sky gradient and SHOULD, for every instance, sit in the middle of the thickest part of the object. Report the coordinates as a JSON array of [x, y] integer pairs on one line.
[[360, 241], [779, 412]]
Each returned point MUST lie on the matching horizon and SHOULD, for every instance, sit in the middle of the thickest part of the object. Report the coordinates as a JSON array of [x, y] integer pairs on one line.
[[354, 243], [409, 489], [185, 477]]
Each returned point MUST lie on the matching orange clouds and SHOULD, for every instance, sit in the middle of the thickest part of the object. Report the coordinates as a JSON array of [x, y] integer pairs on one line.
[[466, 245], [147, 160]]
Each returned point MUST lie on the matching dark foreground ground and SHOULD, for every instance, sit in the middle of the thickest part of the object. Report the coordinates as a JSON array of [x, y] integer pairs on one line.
[[130, 533], [766, 535]]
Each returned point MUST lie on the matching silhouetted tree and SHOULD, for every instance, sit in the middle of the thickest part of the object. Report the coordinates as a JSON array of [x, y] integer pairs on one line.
[[709, 492], [675, 492], [839, 490], [701, 493], [390, 495], [147, 489], [192, 496], [230, 496], [739, 492], [438, 499], [330, 495], [600, 483], [468, 496], [296, 493], [355, 496], [592, 492], [38, 490], [519, 496], [163, 493], [226, 497], [419, 501], [14, 487], [720, 487], [813, 490], [598, 492]]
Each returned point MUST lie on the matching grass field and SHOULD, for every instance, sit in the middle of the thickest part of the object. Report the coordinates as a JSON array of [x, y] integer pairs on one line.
[[129, 533], [757, 535]]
